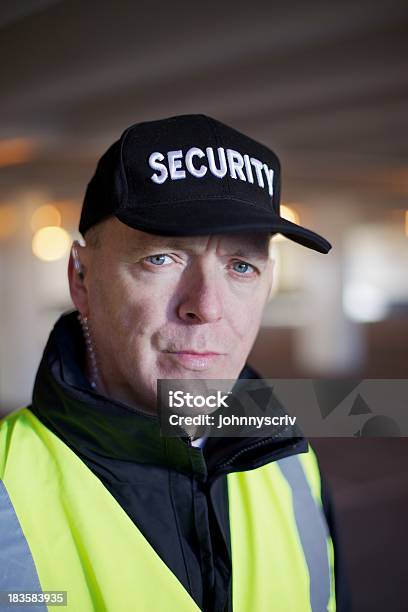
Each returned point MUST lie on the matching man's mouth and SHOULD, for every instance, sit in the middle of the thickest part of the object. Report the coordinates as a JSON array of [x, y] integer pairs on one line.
[[195, 360]]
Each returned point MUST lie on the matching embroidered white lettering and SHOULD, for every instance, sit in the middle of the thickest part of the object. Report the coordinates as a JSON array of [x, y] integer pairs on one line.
[[269, 178], [195, 152], [242, 167], [174, 159], [154, 162], [236, 163], [248, 169], [258, 169], [222, 170]]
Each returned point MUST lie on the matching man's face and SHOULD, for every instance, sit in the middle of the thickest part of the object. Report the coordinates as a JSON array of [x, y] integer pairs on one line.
[[162, 307]]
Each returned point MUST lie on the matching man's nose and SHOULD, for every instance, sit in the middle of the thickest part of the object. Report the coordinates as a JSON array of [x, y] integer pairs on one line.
[[201, 299]]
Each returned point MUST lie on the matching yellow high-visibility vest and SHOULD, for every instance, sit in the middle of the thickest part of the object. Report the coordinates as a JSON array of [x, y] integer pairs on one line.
[[62, 530]]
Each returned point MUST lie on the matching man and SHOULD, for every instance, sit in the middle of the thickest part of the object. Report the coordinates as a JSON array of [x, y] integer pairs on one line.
[[171, 284]]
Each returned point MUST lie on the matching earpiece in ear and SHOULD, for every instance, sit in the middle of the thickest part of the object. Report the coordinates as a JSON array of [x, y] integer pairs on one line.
[[77, 263]]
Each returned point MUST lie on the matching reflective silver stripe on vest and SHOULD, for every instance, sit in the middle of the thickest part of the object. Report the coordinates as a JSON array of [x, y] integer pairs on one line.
[[313, 532], [17, 568]]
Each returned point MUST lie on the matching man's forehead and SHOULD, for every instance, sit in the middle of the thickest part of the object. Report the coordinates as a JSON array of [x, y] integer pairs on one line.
[[134, 240]]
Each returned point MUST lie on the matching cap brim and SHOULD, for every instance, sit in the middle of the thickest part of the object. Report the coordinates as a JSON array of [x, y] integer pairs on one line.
[[202, 217]]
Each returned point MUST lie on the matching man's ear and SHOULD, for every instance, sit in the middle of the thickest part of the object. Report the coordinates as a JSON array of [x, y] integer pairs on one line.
[[77, 278]]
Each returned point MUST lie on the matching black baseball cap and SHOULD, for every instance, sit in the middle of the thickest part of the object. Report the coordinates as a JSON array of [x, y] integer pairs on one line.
[[191, 175]]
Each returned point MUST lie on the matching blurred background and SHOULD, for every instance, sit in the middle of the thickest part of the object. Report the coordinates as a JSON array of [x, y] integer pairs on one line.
[[323, 84]]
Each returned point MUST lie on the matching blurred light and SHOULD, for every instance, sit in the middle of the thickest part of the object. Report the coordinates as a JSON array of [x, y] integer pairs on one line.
[[399, 181], [16, 151], [8, 221], [289, 213], [46, 215], [406, 222], [51, 243], [364, 303]]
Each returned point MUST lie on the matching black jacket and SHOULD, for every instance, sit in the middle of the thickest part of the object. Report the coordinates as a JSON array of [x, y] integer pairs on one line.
[[175, 493]]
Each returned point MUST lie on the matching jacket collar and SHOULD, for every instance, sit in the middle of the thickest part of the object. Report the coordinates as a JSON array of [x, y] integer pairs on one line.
[[95, 426]]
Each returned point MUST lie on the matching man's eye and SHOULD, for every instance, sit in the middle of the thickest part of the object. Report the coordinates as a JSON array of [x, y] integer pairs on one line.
[[159, 260], [242, 267]]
